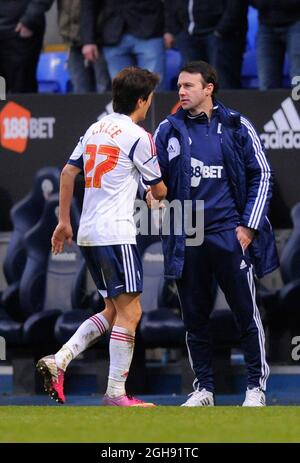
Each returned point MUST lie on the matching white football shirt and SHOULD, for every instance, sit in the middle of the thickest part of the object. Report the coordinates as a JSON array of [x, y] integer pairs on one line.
[[113, 153]]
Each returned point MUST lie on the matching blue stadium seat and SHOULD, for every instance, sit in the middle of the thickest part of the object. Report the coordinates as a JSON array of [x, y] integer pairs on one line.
[[290, 258], [52, 73], [90, 302], [24, 215], [282, 314], [46, 284], [173, 63], [160, 325], [10, 329], [48, 280]]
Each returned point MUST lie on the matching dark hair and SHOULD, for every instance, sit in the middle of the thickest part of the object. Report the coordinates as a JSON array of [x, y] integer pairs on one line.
[[208, 72], [129, 85]]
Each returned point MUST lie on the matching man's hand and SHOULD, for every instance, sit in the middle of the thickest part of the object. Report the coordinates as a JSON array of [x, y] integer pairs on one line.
[[245, 236], [169, 40], [90, 52], [24, 32], [153, 203], [63, 232]]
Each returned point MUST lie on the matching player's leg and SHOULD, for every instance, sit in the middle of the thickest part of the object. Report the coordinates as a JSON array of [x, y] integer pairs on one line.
[[235, 276], [88, 332], [95, 326], [121, 348], [124, 288], [53, 367], [122, 339], [195, 290]]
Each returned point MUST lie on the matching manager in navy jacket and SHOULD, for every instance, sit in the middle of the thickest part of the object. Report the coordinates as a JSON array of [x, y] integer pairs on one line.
[[209, 152]]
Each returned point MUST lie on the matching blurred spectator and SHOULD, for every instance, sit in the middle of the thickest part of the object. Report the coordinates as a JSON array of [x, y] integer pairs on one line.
[[176, 25], [86, 76], [278, 33], [131, 33], [231, 36], [22, 27], [210, 31]]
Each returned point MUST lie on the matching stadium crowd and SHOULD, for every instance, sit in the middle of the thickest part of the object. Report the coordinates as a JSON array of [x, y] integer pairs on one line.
[[103, 37]]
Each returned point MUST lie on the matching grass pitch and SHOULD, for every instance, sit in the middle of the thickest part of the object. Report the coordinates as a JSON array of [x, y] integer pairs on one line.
[[159, 425]]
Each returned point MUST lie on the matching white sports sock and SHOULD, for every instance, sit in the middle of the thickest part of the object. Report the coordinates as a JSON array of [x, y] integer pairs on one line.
[[88, 331], [121, 347]]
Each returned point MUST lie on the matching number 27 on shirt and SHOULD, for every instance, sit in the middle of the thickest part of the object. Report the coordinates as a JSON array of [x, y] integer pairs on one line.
[[93, 175]]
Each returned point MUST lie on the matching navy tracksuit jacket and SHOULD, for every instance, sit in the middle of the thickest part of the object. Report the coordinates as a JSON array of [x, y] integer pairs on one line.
[[222, 162]]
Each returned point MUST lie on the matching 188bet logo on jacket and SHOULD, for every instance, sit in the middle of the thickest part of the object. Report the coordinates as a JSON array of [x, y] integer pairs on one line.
[[199, 170]]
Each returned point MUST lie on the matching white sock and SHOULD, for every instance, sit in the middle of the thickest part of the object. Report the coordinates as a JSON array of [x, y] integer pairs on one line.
[[121, 347], [89, 330]]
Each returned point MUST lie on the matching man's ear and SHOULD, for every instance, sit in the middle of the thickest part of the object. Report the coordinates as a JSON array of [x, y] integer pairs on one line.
[[210, 88], [139, 103]]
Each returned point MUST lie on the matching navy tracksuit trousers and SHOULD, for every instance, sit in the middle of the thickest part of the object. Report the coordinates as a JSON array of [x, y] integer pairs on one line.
[[222, 256]]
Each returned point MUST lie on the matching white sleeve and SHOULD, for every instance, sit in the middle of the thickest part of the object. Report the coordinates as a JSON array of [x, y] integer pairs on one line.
[[143, 155], [76, 158]]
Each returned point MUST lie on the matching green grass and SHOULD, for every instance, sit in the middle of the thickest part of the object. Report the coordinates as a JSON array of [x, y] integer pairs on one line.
[[162, 424]]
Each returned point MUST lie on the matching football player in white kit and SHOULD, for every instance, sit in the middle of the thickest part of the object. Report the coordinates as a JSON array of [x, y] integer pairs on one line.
[[113, 154]]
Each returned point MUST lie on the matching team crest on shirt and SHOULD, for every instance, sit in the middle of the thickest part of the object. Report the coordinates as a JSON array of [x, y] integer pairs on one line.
[[173, 148]]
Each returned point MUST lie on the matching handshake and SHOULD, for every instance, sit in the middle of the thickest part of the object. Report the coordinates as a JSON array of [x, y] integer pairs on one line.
[[153, 203]]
